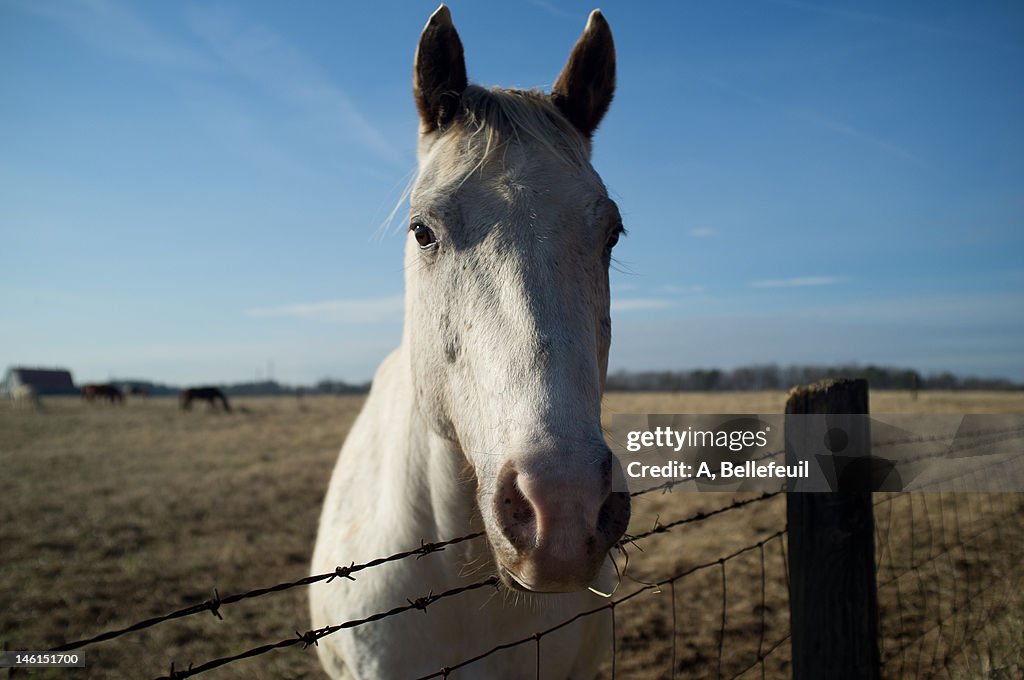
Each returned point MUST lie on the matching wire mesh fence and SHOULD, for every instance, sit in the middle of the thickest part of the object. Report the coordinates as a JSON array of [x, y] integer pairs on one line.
[[949, 569]]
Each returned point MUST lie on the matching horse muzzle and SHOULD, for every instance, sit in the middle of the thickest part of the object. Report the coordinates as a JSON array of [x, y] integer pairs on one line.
[[556, 524]]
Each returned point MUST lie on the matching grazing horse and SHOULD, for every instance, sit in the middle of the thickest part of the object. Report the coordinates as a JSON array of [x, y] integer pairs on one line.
[[92, 392], [487, 416], [210, 395]]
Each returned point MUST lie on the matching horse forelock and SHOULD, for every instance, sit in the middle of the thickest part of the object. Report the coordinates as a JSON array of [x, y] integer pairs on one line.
[[490, 120]]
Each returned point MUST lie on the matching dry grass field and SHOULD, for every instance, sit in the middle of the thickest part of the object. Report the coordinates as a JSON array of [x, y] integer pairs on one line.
[[110, 515]]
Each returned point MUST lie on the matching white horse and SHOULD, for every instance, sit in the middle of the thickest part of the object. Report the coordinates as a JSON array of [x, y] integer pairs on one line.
[[487, 416]]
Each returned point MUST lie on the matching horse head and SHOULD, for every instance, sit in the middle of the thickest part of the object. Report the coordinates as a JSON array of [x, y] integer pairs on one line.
[[507, 305]]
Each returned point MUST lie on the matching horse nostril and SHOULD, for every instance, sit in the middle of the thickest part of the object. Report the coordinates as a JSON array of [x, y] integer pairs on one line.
[[613, 518], [520, 508], [515, 512]]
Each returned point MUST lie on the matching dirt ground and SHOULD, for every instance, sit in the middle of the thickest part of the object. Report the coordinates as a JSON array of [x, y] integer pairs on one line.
[[110, 515]]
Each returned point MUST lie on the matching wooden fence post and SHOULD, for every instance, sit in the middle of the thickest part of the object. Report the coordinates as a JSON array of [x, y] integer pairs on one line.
[[832, 590]]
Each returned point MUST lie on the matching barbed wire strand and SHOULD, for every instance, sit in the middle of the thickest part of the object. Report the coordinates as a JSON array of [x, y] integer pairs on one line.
[[660, 528], [213, 605], [311, 637]]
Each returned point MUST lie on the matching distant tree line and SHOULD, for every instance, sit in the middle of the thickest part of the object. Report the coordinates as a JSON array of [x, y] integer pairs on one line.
[[261, 388], [757, 377], [773, 377]]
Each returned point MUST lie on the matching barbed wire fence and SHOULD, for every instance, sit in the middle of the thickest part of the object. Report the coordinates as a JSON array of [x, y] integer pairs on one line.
[[718, 566], [947, 571]]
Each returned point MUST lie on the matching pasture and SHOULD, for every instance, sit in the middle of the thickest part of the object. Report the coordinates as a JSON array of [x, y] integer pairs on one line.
[[111, 514]]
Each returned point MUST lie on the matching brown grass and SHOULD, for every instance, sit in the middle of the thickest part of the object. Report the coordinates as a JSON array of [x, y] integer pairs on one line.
[[109, 515]]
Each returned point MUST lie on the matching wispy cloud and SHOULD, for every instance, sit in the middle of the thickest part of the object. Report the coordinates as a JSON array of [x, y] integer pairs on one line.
[[848, 130], [672, 289], [227, 44], [798, 282], [350, 311], [634, 304], [816, 119], [113, 28], [259, 55], [702, 232], [554, 10], [235, 125], [967, 311]]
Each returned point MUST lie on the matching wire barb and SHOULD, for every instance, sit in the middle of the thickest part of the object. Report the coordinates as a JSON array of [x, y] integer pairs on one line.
[[422, 603], [309, 638], [342, 572], [214, 605]]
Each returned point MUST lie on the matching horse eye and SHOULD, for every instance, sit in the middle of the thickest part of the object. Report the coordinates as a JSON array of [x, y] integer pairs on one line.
[[424, 236], [614, 238]]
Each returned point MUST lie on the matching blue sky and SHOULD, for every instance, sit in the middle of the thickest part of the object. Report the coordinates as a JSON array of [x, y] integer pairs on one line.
[[194, 191]]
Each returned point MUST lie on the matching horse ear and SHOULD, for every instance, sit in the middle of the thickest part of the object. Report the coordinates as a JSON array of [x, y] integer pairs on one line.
[[439, 73], [585, 88]]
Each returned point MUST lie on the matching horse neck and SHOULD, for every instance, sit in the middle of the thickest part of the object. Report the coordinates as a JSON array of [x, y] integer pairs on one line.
[[426, 472]]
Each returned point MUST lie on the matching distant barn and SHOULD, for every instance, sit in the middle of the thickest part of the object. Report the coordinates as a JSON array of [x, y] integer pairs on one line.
[[44, 381]]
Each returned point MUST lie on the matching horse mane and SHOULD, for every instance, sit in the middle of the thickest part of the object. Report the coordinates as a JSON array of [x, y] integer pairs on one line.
[[505, 116]]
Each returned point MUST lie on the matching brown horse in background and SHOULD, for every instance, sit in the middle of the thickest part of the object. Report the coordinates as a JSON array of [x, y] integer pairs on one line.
[[208, 394], [92, 392]]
